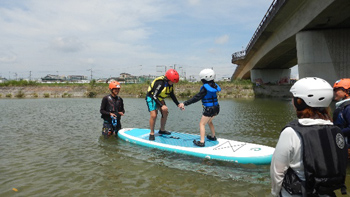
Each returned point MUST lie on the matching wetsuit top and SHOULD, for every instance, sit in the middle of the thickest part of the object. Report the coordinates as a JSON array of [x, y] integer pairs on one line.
[[160, 89], [111, 104], [203, 92], [341, 116], [324, 156]]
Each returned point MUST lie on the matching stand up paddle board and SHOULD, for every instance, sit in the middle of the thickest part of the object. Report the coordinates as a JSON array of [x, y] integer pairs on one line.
[[222, 149]]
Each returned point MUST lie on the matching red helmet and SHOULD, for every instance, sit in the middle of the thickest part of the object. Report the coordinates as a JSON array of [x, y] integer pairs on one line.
[[114, 84], [172, 75], [342, 83]]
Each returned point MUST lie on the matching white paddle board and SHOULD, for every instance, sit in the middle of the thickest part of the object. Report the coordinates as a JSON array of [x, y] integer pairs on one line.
[[222, 149]]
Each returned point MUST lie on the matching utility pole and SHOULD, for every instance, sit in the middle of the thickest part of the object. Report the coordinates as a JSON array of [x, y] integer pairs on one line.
[[90, 73], [30, 75], [158, 66]]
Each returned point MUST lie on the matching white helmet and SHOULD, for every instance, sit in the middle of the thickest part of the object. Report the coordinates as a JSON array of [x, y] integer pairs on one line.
[[314, 91], [207, 74]]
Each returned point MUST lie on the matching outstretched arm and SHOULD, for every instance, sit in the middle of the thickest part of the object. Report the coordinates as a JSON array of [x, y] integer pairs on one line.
[[196, 97]]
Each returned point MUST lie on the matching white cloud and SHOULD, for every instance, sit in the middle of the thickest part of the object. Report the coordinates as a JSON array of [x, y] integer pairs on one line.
[[194, 2], [222, 40], [8, 59], [114, 33], [67, 44]]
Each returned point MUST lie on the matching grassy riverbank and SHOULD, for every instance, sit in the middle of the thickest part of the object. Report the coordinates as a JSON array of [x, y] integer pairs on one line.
[[24, 89]]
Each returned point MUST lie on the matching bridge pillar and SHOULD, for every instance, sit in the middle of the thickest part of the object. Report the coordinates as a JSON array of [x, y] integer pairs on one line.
[[324, 54], [270, 76]]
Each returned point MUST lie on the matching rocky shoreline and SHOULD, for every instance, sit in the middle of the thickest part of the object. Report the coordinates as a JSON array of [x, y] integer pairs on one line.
[[182, 90], [42, 92]]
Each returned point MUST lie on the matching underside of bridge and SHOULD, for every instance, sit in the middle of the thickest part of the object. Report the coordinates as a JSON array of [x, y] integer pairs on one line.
[[276, 45]]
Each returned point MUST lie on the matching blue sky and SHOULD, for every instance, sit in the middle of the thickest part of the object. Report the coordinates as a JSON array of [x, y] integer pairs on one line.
[[140, 37]]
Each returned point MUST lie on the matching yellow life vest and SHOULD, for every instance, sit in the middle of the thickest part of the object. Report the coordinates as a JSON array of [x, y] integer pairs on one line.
[[165, 92]]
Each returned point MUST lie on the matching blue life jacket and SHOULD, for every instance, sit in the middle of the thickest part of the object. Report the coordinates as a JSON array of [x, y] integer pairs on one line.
[[338, 117], [210, 99]]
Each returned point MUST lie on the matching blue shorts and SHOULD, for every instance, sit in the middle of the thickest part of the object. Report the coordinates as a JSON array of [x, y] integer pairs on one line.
[[151, 104]]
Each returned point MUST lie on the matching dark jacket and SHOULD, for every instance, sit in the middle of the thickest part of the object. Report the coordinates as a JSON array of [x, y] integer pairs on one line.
[[109, 105]]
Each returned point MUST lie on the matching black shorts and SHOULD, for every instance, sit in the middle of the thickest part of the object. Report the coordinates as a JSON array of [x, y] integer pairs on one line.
[[211, 111]]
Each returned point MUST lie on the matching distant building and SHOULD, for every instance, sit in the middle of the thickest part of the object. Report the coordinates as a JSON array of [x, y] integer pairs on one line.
[[131, 79], [128, 78], [101, 80], [146, 78], [226, 79], [77, 79], [53, 78], [3, 80], [120, 80], [125, 75]]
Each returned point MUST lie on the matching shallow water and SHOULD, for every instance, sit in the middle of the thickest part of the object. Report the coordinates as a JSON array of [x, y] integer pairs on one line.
[[53, 147]]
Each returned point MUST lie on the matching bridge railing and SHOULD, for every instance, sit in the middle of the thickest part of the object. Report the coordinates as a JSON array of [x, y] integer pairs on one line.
[[238, 55], [271, 12]]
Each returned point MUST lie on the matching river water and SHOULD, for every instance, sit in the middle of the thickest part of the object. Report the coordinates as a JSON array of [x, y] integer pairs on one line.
[[54, 147]]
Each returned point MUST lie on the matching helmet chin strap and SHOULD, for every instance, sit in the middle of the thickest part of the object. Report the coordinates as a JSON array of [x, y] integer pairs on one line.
[[112, 92], [346, 96]]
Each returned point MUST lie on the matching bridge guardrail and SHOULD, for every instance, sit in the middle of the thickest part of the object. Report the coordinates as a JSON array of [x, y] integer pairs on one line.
[[271, 12]]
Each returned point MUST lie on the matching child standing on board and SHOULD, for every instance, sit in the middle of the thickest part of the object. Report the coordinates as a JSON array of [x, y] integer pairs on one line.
[[159, 89], [112, 108], [210, 103]]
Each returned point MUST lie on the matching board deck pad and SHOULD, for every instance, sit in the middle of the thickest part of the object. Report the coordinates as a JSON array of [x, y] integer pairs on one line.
[[222, 149], [175, 139]]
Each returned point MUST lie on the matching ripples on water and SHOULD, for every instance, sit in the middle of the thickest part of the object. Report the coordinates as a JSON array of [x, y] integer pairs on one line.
[[53, 147]]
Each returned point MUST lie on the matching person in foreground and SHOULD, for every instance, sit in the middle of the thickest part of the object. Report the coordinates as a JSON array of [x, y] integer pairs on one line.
[[310, 158], [341, 114], [159, 89], [112, 108], [211, 107]]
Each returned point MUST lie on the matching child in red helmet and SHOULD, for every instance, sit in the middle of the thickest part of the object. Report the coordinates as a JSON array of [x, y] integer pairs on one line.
[[112, 108], [159, 89]]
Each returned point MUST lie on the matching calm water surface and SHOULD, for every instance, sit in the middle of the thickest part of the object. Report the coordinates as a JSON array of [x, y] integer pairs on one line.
[[53, 147]]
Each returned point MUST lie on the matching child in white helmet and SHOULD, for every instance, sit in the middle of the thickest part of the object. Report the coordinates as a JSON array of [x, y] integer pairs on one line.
[[211, 107]]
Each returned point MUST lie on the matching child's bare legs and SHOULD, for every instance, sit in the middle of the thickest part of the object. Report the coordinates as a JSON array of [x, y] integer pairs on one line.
[[165, 112], [152, 120], [202, 123], [211, 126]]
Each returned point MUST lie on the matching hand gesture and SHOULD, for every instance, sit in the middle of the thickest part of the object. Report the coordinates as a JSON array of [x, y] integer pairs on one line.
[[181, 106], [113, 115]]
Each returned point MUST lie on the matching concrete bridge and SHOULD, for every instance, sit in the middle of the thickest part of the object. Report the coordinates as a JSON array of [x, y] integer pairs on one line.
[[313, 34]]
